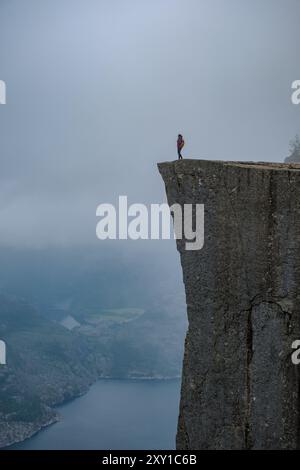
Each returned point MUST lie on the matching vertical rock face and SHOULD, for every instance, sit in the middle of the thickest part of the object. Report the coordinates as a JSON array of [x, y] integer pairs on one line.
[[240, 389]]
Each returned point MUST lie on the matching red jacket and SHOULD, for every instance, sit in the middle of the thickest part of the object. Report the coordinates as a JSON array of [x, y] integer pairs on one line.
[[180, 143]]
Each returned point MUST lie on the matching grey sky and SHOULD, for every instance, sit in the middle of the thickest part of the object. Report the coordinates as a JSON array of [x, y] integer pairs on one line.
[[97, 91]]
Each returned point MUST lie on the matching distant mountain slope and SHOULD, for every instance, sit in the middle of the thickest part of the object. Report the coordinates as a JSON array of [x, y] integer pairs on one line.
[[45, 365], [96, 314], [48, 364]]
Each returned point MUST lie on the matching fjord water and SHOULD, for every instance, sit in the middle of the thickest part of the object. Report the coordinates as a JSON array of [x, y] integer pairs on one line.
[[115, 414]]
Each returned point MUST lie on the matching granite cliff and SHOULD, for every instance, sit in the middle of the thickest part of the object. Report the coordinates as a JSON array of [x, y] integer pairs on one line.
[[240, 389]]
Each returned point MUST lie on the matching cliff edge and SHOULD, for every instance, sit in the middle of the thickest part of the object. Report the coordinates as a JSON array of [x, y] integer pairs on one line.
[[240, 389]]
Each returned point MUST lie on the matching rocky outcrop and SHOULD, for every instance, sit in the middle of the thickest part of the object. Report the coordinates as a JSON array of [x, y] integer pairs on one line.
[[240, 389], [295, 151], [12, 433], [294, 157]]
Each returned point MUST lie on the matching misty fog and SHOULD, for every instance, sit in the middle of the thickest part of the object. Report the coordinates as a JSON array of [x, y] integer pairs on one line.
[[97, 92]]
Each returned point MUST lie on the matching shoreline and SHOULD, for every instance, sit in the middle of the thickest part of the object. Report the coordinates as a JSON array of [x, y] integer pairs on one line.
[[55, 408]]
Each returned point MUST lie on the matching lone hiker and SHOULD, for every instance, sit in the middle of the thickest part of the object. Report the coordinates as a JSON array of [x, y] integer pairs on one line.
[[180, 145]]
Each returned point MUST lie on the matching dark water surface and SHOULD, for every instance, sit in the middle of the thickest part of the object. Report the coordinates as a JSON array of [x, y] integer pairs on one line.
[[116, 414]]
